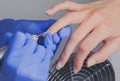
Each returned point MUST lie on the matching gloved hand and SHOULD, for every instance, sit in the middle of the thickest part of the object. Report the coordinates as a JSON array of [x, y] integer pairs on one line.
[[29, 26], [25, 60]]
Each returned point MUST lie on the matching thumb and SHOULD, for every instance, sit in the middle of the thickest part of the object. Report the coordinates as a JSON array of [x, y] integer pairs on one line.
[[17, 41]]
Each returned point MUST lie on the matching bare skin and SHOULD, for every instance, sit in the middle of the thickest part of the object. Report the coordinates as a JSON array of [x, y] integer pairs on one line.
[[99, 21]]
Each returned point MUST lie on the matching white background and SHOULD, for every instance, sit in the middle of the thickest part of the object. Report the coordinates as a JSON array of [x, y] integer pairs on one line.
[[35, 9]]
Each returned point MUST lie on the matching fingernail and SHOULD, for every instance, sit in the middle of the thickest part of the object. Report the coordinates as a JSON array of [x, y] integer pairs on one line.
[[59, 66], [75, 70], [48, 11], [91, 63]]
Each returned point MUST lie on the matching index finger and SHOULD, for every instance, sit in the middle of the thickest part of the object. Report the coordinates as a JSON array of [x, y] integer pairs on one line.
[[61, 23], [70, 18]]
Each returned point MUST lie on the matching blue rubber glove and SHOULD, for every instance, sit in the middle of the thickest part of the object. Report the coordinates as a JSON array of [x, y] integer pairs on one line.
[[29, 26], [25, 60]]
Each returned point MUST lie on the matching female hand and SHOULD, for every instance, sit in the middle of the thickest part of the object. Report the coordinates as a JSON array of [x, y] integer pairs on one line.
[[99, 21]]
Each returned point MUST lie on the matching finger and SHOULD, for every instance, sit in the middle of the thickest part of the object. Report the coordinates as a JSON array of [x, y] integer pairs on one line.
[[40, 52], [31, 45], [17, 41], [49, 54], [28, 35], [81, 31], [67, 5], [41, 49], [72, 6], [88, 44], [70, 18], [48, 42], [107, 50], [56, 38], [65, 32]]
